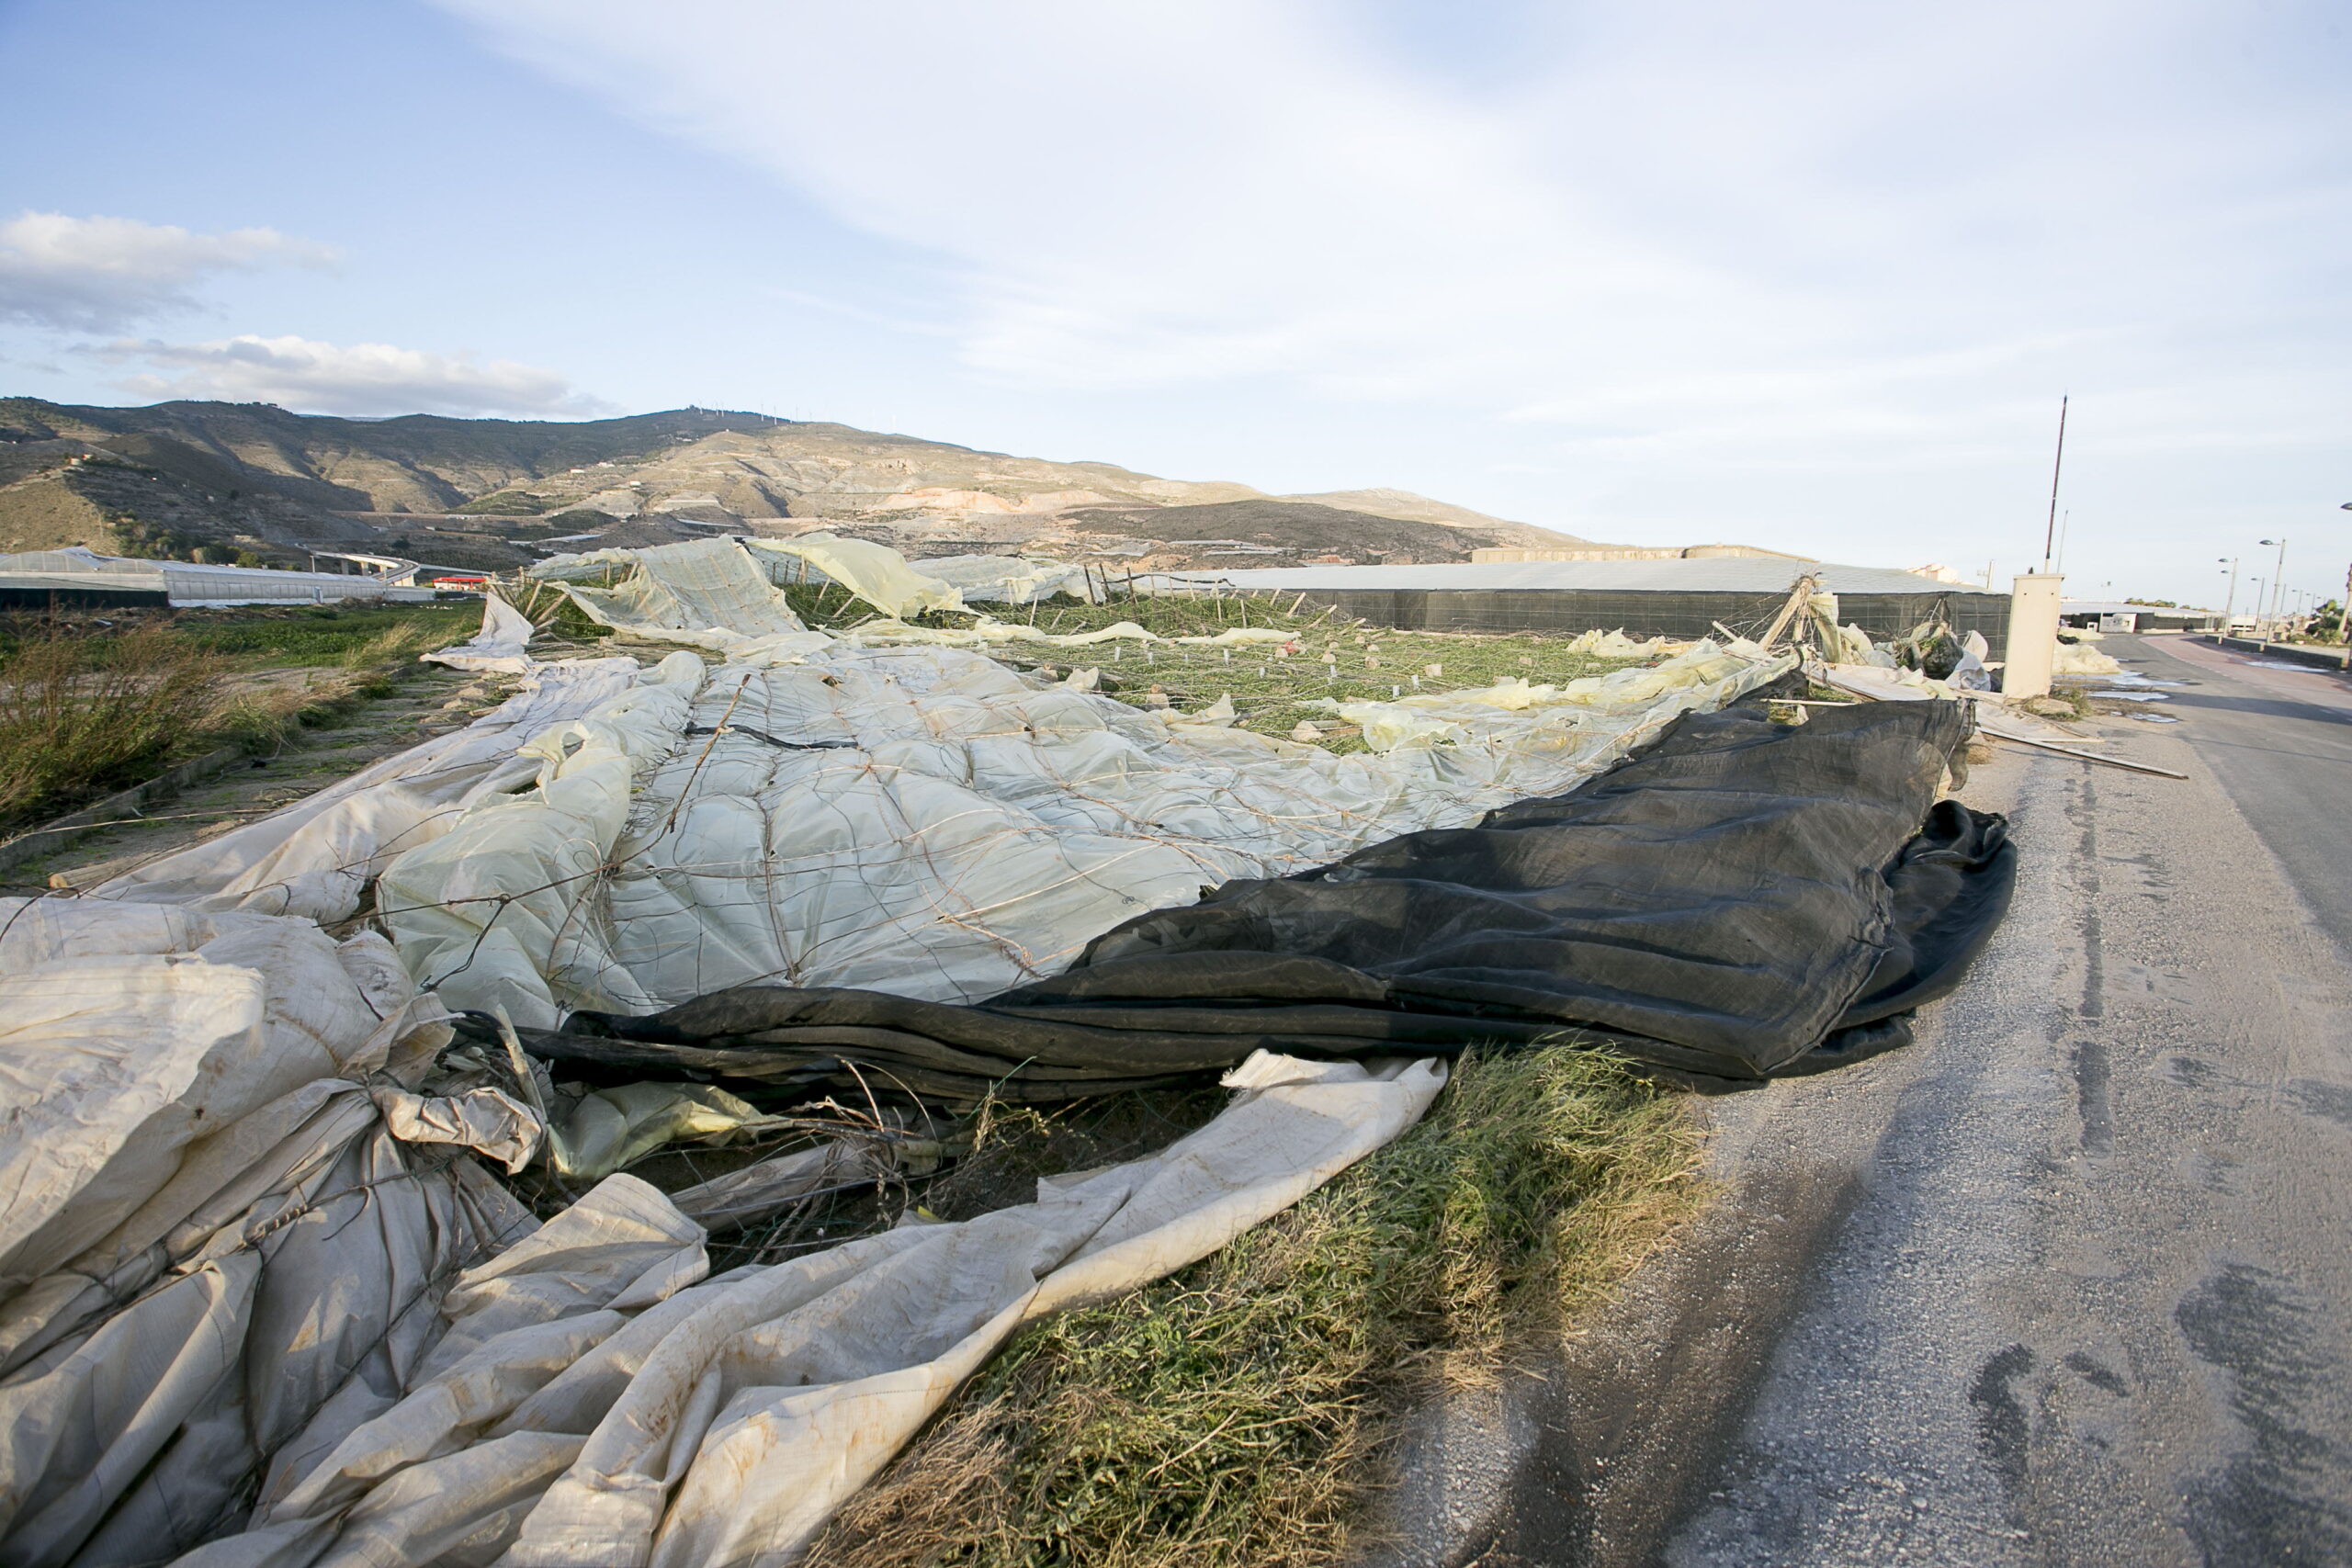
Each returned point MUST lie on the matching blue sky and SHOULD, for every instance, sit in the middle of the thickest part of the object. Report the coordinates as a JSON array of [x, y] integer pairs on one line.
[[1809, 276]]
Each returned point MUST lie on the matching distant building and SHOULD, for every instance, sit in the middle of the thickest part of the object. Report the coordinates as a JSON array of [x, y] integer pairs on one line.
[[2112, 615], [1628, 552]]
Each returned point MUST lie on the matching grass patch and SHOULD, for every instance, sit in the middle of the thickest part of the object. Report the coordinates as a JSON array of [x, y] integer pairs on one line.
[[91, 707], [325, 637], [1237, 1412]]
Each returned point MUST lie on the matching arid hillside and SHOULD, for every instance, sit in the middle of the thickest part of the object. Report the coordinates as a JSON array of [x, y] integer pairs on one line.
[[484, 492]]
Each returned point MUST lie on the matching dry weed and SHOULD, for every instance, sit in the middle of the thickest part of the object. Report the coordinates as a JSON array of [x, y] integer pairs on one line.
[[82, 715]]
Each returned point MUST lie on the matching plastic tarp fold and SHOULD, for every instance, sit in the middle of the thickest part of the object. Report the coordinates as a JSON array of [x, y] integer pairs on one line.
[[1010, 580], [213, 1241], [1740, 896], [497, 648], [706, 594], [316, 857], [876, 573], [720, 1423], [927, 822]]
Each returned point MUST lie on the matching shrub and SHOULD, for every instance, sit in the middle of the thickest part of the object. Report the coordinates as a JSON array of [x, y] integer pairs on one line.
[[81, 715]]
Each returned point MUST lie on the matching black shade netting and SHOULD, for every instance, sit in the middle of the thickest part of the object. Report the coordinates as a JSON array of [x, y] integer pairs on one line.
[[1743, 899]]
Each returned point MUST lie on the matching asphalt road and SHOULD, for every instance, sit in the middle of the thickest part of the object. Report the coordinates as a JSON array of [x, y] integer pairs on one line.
[[2067, 1281]]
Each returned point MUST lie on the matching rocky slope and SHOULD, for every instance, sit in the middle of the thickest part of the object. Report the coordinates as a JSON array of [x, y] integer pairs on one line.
[[482, 493]]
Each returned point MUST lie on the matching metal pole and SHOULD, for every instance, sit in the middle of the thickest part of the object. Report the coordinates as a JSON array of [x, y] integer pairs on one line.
[[2050, 533], [2231, 604]]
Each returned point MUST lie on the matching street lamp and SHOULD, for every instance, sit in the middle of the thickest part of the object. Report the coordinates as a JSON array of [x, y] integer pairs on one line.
[[2278, 576], [2230, 606], [2344, 614]]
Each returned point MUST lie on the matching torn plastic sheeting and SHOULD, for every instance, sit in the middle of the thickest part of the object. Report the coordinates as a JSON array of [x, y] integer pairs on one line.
[[1010, 580], [1617, 645], [876, 573], [724, 1424], [484, 1119], [989, 632], [610, 1128], [316, 857], [478, 911], [497, 648], [927, 822], [2080, 659], [213, 1240], [1792, 906], [708, 593]]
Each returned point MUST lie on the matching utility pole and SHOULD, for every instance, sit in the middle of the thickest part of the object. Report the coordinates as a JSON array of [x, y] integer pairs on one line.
[[2050, 534]]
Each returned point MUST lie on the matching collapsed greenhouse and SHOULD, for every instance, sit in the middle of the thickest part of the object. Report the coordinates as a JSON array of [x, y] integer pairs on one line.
[[1681, 598], [267, 1299]]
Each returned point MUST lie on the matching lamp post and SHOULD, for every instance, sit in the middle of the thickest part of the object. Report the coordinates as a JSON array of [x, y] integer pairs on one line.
[[2229, 606], [2344, 614], [2278, 577]]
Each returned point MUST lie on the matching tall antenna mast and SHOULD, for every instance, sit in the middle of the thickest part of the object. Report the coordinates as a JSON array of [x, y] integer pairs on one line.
[[2050, 534]]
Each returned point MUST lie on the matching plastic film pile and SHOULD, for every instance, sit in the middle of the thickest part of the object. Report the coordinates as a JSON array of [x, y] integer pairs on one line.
[[263, 1299]]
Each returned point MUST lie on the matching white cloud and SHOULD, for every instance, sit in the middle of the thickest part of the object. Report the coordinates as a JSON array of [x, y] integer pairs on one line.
[[1177, 190], [356, 378], [1702, 255], [102, 274]]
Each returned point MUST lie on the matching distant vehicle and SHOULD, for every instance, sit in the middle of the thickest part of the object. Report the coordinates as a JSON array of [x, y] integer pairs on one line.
[[461, 582]]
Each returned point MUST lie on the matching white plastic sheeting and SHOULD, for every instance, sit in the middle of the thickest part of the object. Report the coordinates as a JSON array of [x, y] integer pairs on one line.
[[926, 822], [723, 1423], [2081, 659], [1011, 579], [232, 1273], [316, 857], [213, 1240], [497, 648], [706, 594], [876, 573]]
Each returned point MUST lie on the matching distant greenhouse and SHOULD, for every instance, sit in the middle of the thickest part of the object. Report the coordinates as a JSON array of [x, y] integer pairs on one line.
[[80, 578], [1678, 598]]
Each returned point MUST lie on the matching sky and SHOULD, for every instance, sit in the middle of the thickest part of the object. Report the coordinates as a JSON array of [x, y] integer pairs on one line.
[[1813, 276]]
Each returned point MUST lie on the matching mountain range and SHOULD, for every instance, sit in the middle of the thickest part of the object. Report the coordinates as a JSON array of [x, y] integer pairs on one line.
[[255, 483]]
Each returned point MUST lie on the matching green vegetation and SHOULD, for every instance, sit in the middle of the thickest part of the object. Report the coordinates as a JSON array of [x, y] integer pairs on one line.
[[1273, 690], [89, 707], [80, 716], [319, 636], [1237, 1412]]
